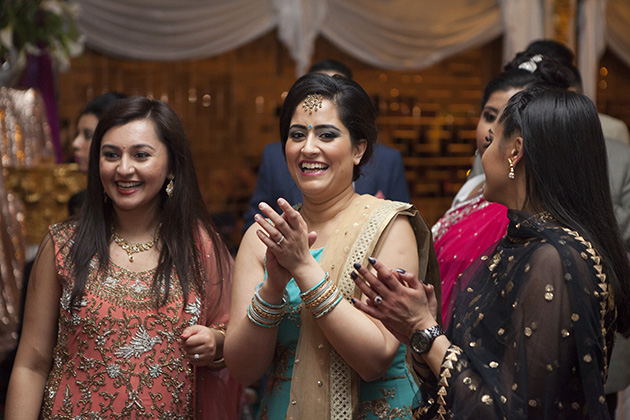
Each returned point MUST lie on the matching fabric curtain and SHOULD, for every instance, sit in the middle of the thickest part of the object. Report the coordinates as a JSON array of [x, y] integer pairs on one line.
[[523, 21], [410, 34], [617, 33], [173, 30], [591, 41], [394, 34], [390, 34]]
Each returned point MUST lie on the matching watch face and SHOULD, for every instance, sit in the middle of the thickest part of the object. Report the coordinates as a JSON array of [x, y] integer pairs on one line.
[[420, 342]]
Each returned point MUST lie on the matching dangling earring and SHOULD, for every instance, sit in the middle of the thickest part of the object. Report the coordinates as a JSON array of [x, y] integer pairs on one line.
[[105, 197], [511, 174], [170, 186]]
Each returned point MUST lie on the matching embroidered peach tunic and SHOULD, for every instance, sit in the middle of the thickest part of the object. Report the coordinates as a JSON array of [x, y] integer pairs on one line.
[[117, 355]]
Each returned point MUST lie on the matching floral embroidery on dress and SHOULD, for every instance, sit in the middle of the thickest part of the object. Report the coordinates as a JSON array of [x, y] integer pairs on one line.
[[381, 408], [280, 367]]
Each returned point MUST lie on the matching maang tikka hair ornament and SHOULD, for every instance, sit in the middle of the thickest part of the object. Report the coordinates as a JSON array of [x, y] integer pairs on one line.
[[170, 186], [312, 102]]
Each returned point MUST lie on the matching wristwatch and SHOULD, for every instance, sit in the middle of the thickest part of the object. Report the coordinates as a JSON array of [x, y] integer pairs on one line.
[[421, 340]]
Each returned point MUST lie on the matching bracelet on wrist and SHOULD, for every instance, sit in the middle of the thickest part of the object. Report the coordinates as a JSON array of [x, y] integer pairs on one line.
[[418, 364], [217, 364], [265, 314]]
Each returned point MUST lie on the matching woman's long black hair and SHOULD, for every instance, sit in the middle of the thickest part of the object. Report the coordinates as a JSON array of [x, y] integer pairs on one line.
[[183, 216], [567, 174]]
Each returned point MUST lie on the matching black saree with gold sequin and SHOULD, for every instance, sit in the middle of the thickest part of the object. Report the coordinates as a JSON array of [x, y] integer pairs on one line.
[[532, 329]]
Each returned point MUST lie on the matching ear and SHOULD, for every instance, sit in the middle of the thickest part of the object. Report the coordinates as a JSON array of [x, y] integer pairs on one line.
[[359, 151], [516, 153]]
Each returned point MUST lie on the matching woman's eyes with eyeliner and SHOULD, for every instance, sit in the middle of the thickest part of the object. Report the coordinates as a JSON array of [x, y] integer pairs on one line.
[[296, 135], [328, 135], [489, 116]]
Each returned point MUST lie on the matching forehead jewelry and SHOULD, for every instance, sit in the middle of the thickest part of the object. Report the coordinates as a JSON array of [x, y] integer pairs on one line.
[[310, 126], [312, 102]]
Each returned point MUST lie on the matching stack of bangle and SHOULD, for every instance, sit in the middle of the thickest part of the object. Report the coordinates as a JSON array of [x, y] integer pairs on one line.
[[266, 314], [322, 298]]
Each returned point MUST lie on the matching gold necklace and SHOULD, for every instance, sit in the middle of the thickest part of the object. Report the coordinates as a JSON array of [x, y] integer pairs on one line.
[[130, 248]]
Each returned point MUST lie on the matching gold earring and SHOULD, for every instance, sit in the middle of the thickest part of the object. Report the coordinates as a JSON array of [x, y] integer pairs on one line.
[[170, 186], [511, 174]]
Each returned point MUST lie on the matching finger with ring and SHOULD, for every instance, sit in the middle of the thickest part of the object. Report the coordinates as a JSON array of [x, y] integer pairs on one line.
[[196, 357], [378, 300], [280, 241]]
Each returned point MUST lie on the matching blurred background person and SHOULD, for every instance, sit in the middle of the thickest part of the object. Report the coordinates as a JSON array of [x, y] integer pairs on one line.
[[86, 126]]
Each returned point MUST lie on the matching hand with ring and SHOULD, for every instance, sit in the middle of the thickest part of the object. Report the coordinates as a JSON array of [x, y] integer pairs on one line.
[[396, 298], [286, 236], [200, 344]]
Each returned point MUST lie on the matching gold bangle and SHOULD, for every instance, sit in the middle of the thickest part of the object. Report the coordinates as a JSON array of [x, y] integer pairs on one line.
[[319, 300], [217, 364]]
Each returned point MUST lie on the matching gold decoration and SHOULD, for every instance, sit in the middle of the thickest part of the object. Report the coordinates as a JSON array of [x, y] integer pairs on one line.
[[171, 185], [45, 192], [130, 248], [312, 102]]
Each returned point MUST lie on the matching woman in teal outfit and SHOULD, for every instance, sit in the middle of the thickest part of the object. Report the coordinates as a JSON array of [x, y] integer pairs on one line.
[[291, 314]]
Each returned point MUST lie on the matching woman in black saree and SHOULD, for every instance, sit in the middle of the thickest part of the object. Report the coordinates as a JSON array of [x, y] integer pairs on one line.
[[533, 319]]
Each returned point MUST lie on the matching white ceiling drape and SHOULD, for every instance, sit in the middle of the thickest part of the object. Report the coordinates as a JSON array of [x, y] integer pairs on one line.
[[173, 30], [390, 34]]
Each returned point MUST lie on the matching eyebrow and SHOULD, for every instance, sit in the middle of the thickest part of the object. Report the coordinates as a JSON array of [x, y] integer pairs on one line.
[[320, 126], [135, 146]]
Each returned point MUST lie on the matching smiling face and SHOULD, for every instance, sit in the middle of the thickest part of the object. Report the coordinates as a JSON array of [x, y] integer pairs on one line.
[[489, 114], [319, 152], [133, 166], [81, 144]]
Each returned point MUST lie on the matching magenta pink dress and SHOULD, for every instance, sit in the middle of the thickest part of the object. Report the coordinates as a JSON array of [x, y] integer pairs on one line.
[[461, 236], [119, 356]]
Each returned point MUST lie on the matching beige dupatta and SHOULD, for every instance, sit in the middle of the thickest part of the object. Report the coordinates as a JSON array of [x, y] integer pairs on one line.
[[323, 385]]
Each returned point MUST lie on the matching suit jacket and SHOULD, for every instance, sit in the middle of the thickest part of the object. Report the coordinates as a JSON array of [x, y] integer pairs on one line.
[[384, 172]]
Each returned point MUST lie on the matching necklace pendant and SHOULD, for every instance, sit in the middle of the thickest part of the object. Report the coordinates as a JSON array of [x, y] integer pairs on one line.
[[131, 258]]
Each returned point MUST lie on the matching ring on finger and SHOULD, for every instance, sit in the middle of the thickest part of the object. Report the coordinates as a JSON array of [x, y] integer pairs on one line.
[[378, 300], [280, 241], [196, 357]]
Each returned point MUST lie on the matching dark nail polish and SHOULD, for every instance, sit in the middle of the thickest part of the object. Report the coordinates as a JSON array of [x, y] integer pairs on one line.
[[354, 275], [357, 266], [353, 300], [401, 271], [371, 260], [424, 282]]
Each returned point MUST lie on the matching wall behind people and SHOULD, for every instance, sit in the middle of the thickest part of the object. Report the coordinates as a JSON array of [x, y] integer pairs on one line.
[[227, 104]]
